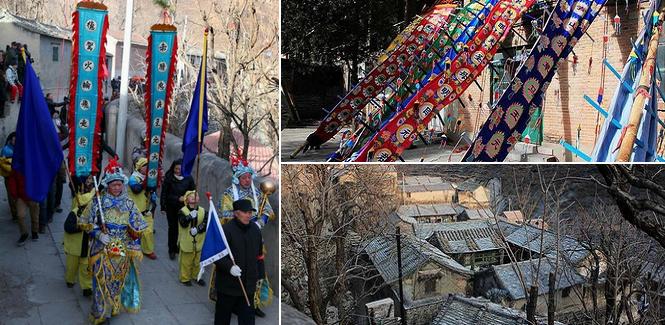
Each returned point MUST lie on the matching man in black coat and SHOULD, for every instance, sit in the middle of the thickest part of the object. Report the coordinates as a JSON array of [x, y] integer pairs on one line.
[[246, 244]]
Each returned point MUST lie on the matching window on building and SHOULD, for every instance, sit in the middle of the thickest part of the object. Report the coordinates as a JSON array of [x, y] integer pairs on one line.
[[504, 65], [56, 53], [430, 286], [565, 293]]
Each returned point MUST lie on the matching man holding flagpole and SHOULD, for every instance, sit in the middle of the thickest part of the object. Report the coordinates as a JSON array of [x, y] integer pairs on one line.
[[236, 249], [246, 243]]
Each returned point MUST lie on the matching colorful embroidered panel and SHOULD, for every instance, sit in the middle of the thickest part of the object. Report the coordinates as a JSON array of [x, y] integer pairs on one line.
[[379, 77], [85, 109], [427, 64], [403, 129], [512, 112], [162, 53]]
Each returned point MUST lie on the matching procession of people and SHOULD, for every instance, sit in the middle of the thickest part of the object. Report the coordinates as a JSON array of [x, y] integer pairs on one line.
[[110, 228]]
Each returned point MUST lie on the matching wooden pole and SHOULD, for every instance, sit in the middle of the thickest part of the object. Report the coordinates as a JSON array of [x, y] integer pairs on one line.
[[641, 95], [399, 270], [202, 89]]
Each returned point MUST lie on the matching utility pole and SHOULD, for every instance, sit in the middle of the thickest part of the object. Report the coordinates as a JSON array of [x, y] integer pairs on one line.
[[124, 81], [399, 270]]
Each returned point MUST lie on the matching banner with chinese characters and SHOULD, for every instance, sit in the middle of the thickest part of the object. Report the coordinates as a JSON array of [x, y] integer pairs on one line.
[[161, 59], [90, 24]]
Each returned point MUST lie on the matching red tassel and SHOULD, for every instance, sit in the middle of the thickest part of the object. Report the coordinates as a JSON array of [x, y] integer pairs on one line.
[[73, 79]]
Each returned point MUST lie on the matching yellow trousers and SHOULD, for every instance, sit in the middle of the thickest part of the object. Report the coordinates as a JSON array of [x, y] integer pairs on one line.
[[147, 237], [76, 264], [189, 265]]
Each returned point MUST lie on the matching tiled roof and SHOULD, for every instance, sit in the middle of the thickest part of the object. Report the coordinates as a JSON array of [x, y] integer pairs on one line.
[[422, 180], [382, 251], [475, 214], [459, 310], [34, 26], [468, 185], [416, 188], [413, 184], [426, 230], [461, 237], [427, 210], [468, 237], [514, 216], [509, 279], [528, 236]]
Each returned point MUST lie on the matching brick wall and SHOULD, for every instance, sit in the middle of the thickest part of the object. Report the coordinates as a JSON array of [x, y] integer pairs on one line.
[[565, 108]]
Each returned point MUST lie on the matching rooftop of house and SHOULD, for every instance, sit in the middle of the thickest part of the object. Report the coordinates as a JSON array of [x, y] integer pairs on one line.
[[428, 210], [529, 237], [468, 237], [426, 230], [382, 251], [476, 214], [474, 235], [34, 26], [458, 310], [515, 216], [421, 183], [468, 185], [509, 279], [422, 180]]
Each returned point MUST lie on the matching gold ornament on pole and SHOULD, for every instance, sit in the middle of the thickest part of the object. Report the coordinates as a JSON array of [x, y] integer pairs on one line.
[[268, 188]]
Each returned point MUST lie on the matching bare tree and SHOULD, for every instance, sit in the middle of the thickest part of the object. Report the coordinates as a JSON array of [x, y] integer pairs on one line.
[[639, 192], [326, 210], [245, 94]]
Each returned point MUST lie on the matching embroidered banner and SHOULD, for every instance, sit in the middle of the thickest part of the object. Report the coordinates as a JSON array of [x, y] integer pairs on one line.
[[90, 24], [398, 134], [429, 62], [379, 77], [514, 109], [161, 60]]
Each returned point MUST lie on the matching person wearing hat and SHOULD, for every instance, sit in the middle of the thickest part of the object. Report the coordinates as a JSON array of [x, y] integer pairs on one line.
[[193, 221], [114, 225], [76, 241], [144, 201], [242, 187], [246, 243]]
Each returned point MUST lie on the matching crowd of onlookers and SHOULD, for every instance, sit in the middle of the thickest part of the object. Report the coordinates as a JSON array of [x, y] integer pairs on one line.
[[13, 67]]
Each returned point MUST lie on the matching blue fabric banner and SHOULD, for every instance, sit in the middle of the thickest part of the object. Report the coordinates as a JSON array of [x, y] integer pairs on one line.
[[190, 141], [37, 153], [514, 109]]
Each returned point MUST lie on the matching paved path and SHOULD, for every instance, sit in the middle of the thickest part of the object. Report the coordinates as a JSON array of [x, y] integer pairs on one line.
[[293, 138], [33, 290]]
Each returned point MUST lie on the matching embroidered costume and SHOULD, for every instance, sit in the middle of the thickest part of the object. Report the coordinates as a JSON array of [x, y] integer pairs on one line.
[[120, 224]]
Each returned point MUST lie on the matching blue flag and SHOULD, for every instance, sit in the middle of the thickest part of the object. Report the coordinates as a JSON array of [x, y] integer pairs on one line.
[[190, 141], [37, 153], [215, 245]]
